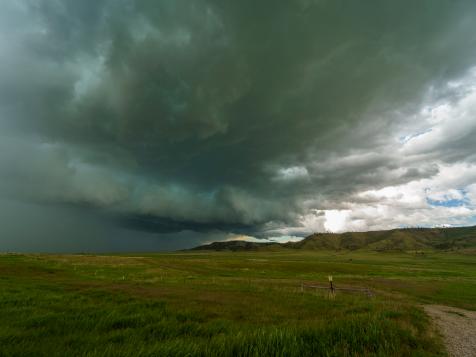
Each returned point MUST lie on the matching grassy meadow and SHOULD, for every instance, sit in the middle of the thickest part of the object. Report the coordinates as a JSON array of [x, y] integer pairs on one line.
[[228, 304]]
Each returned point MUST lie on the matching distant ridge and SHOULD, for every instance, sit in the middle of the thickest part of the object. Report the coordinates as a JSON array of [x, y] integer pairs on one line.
[[235, 245], [402, 239]]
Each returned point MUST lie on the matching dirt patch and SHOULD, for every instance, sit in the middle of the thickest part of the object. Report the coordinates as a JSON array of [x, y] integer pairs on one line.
[[458, 328]]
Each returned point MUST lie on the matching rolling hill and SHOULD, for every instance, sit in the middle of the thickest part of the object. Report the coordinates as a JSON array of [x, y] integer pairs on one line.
[[404, 239]]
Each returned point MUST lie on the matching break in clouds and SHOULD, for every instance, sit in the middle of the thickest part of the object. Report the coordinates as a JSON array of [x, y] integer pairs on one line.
[[161, 124]]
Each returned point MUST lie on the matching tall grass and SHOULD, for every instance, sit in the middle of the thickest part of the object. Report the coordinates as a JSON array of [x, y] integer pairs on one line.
[[77, 306], [119, 326]]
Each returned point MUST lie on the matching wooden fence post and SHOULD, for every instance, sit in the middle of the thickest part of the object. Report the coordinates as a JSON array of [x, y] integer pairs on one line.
[[331, 287]]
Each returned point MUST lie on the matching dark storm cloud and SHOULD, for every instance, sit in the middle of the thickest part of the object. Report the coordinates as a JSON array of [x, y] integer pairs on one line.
[[219, 115]]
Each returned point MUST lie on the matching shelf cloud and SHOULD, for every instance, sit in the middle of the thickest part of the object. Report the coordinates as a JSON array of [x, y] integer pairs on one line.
[[174, 121]]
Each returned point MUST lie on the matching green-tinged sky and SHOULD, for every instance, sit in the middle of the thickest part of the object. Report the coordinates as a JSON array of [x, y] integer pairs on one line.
[[161, 124]]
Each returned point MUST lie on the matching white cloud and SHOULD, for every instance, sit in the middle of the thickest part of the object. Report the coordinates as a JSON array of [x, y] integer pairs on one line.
[[408, 204], [446, 122], [292, 173], [336, 220]]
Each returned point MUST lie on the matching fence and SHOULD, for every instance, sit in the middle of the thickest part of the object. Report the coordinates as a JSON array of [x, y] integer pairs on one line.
[[332, 289]]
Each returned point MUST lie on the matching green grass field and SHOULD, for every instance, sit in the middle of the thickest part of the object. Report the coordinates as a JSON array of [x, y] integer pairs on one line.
[[227, 304]]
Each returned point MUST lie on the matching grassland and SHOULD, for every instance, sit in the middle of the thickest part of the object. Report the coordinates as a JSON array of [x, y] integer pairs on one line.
[[227, 304]]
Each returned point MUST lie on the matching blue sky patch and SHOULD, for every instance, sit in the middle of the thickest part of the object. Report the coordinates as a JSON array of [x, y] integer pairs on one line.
[[447, 203]]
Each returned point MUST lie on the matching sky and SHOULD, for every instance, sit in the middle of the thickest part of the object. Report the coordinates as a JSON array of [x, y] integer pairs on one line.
[[163, 124]]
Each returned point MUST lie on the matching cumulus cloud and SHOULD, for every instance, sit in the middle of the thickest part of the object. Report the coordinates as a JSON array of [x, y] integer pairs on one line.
[[219, 117]]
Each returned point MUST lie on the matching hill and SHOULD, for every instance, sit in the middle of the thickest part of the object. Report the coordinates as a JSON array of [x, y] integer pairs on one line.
[[236, 245], [404, 239]]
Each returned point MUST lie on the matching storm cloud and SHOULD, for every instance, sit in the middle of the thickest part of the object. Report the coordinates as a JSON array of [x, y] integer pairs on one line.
[[220, 118]]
